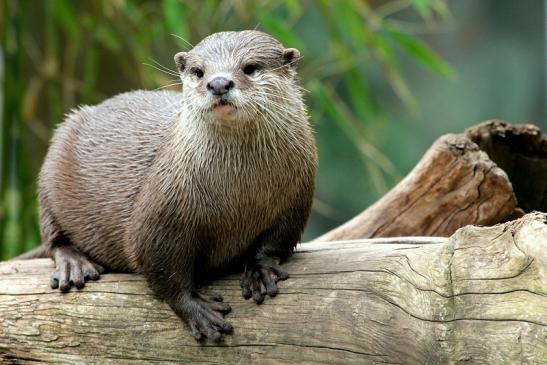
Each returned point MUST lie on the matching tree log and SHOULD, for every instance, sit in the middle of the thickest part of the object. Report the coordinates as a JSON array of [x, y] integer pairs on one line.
[[477, 177], [479, 297]]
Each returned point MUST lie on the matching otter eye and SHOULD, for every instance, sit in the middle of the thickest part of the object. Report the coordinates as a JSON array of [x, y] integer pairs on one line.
[[250, 69], [198, 72]]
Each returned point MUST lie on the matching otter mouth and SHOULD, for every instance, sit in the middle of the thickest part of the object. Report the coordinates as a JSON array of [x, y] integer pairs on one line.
[[222, 102], [223, 107]]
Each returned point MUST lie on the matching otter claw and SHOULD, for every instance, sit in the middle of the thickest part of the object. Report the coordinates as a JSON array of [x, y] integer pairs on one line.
[[205, 317], [261, 279], [72, 268]]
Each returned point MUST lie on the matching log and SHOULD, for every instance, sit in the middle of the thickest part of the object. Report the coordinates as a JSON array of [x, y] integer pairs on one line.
[[491, 173], [479, 297]]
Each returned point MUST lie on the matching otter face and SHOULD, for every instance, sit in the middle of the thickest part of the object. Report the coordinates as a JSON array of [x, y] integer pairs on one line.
[[243, 76]]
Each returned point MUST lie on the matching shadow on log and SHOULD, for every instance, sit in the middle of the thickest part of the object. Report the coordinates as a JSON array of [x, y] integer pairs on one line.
[[477, 297], [491, 173]]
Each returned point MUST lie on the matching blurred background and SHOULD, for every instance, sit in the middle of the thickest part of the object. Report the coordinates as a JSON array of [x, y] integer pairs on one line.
[[385, 79]]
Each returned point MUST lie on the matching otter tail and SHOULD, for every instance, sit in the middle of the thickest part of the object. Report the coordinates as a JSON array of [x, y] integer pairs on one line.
[[36, 253]]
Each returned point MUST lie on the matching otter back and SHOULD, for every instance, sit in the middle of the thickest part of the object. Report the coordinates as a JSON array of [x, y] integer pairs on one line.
[[95, 165]]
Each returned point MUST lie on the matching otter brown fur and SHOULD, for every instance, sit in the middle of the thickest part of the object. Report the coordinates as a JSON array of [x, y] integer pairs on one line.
[[178, 185]]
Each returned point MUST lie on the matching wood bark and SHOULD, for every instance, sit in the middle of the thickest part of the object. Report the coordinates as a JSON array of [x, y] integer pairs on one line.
[[491, 173], [479, 297]]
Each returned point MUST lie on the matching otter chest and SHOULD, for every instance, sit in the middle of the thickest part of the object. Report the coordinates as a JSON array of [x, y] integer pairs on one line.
[[236, 200], [250, 191]]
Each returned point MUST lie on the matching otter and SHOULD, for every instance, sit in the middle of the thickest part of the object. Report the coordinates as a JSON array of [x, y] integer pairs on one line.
[[179, 186]]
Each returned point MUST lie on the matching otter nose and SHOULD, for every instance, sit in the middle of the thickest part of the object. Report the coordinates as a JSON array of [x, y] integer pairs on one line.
[[220, 85]]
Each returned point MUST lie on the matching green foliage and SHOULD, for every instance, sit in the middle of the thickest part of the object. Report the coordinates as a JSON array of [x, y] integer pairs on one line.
[[57, 54], [421, 52]]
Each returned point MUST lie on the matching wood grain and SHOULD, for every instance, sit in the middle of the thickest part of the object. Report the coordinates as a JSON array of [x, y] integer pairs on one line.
[[453, 185], [479, 297]]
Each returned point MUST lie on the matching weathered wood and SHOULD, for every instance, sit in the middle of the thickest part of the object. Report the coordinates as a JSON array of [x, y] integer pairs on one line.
[[479, 297], [454, 184], [476, 177]]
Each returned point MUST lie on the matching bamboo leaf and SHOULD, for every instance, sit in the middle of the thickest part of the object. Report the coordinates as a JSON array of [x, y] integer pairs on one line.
[[107, 38], [423, 7], [441, 7], [350, 22], [66, 17], [384, 55], [360, 95], [420, 52], [281, 31], [175, 14], [375, 162], [294, 8], [324, 101]]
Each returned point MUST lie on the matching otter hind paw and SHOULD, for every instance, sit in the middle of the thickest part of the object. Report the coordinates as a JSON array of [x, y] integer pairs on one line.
[[72, 268], [261, 279]]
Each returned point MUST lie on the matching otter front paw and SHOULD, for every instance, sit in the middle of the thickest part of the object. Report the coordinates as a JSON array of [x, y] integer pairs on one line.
[[205, 316], [72, 268], [261, 279]]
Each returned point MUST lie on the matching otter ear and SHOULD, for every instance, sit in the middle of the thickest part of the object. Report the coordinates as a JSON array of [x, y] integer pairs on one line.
[[180, 61], [291, 56]]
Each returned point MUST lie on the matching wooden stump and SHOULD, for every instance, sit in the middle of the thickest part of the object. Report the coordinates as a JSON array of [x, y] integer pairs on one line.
[[521, 152], [491, 173], [479, 297]]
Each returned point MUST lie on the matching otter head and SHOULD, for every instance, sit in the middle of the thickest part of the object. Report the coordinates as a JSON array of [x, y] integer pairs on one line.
[[237, 77]]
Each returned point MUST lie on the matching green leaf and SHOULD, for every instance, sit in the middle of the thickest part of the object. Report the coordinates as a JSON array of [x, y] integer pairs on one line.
[[350, 22], [421, 52], [107, 37], [325, 102], [384, 55], [375, 162], [281, 31], [423, 8], [441, 7], [294, 8], [174, 13], [360, 95], [66, 17]]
